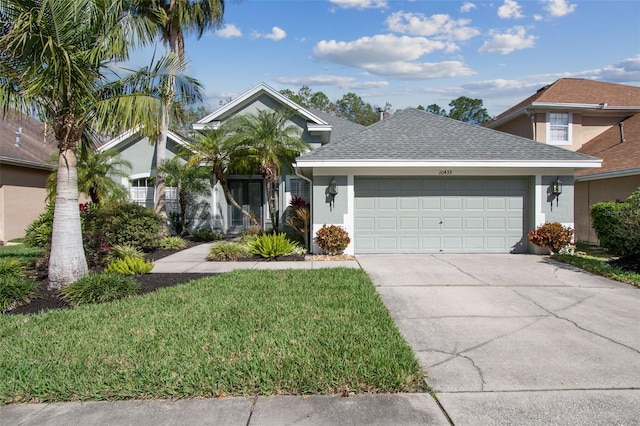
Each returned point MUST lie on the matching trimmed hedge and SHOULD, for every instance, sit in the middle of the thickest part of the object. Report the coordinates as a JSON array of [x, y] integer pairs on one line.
[[617, 225]]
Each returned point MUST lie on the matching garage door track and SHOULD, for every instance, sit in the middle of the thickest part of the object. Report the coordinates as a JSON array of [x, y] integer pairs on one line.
[[517, 339]]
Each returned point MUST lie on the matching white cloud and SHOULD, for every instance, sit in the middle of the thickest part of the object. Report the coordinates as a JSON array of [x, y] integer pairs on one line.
[[376, 49], [345, 83], [441, 26], [538, 17], [510, 41], [229, 31], [276, 34], [625, 71], [360, 4], [510, 10], [391, 56], [467, 6], [421, 71], [558, 8]]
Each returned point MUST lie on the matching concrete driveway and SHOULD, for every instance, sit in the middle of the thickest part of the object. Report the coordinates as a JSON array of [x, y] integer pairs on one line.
[[517, 339]]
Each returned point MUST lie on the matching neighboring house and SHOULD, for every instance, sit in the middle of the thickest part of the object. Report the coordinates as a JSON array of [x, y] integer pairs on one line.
[[569, 112], [413, 183], [619, 176], [25, 153], [422, 183], [585, 116]]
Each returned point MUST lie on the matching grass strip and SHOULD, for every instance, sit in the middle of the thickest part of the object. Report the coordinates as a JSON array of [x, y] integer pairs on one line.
[[597, 266], [243, 333]]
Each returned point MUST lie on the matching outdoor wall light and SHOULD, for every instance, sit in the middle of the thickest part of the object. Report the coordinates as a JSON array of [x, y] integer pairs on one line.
[[556, 189], [333, 191]]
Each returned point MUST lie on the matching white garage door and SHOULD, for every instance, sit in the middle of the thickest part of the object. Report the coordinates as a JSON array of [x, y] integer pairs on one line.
[[440, 215]]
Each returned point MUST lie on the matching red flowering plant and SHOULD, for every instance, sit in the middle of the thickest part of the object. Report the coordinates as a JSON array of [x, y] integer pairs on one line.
[[552, 235], [300, 218]]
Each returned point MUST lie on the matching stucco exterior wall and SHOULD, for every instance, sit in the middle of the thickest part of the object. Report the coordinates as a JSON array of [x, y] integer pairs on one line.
[[558, 209], [590, 192], [521, 126], [22, 199]]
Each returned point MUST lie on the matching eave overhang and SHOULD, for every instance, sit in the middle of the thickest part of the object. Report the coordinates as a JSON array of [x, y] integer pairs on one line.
[[387, 164], [25, 163]]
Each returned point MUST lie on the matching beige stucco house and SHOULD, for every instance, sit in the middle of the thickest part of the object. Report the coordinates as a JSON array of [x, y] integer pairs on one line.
[[24, 168], [591, 117]]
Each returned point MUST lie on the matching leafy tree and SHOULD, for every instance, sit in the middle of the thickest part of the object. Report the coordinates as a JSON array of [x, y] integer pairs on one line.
[[267, 142], [351, 107], [190, 180], [436, 109], [468, 110], [214, 148], [183, 16], [96, 173], [56, 57], [309, 99], [188, 115]]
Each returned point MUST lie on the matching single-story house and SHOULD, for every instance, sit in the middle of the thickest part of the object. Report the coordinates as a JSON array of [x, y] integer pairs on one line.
[[412, 183], [25, 165]]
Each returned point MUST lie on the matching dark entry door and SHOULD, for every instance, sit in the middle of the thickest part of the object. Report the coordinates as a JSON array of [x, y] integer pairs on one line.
[[248, 193]]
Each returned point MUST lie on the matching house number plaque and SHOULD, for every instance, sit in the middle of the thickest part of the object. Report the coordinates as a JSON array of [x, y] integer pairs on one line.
[[447, 172]]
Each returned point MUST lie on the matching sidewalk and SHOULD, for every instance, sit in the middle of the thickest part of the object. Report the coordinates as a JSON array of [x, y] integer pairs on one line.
[[194, 260], [399, 409]]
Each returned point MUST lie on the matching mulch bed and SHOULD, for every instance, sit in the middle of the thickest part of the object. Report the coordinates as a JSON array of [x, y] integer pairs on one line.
[[628, 263], [47, 299]]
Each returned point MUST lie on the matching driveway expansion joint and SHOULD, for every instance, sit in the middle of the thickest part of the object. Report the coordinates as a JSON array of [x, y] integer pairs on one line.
[[575, 323]]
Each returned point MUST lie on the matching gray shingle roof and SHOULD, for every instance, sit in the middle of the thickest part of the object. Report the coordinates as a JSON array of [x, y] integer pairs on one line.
[[412, 134], [35, 149], [340, 128]]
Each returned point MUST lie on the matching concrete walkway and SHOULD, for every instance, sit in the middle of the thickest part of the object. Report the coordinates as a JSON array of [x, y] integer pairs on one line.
[[194, 260], [517, 339], [505, 339]]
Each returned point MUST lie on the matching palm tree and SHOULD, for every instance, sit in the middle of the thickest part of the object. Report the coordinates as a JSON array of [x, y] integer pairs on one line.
[[215, 149], [268, 142], [182, 16], [96, 173], [166, 82], [190, 180], [55, 62]]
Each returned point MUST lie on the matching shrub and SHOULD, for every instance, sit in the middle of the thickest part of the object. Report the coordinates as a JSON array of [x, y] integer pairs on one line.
[[271, 245], [11, 267], [300, 218], [173, 243], [130, 266], [332, 239], [124, 250], [552, 235], [99, 288], [228, 251], [15, 291], [206, 234], [124, 223], [617, 225], [38, 233]]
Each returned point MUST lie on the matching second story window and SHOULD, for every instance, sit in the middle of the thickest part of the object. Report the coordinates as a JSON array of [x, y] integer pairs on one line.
[[559, 128]]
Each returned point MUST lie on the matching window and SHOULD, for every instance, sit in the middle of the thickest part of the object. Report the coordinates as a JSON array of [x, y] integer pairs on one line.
[[559, 128], [300, 188], [142, 191]]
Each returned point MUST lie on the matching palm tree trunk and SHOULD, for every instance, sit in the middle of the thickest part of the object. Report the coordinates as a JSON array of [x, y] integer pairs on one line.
[[67, 262], [161, 155], [271, 203], [229, 197]]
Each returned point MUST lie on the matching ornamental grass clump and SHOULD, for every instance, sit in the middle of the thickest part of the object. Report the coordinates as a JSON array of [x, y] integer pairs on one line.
[[130, 266], [552, 235], [121, 251], [271, 245], [11, 267], [173, 243], [15, 291], [332, 239], [99, 288], [228, 251]]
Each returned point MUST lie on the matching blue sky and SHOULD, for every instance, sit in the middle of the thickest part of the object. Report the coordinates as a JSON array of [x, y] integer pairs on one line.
[[416, 52]]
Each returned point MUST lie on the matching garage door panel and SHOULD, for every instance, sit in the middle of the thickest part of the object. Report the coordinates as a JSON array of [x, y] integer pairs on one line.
[[435, 215]]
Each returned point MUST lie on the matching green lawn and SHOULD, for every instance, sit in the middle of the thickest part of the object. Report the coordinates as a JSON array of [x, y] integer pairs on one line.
[[242, 333]]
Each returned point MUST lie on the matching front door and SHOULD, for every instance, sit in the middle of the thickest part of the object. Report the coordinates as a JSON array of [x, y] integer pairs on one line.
[[248, 193]]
